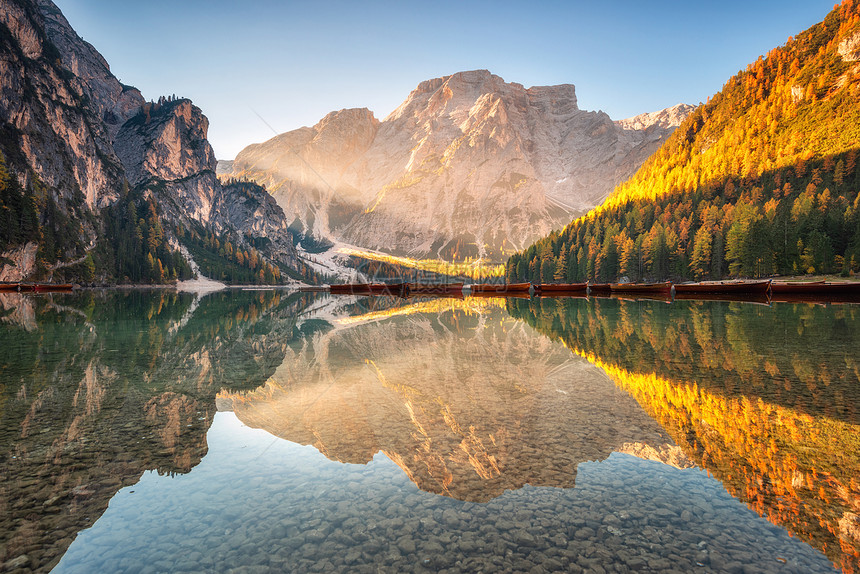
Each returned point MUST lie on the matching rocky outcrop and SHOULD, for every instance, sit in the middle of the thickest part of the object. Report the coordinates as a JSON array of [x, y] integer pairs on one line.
[[57, 95], [164, 149], [109, 99], [18, 263], [666, 119], [249, 209], [165, 144], [849, 48], [468, 165]]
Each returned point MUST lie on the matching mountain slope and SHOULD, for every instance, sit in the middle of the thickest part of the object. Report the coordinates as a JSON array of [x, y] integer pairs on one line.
[[468, 166], [80, 153], [760, 180]]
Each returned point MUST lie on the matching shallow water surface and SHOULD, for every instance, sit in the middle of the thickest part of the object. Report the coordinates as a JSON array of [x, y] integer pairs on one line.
[[260, 431], [255, 500]]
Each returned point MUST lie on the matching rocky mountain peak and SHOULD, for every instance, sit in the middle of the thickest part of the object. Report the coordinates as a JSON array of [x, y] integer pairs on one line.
[[345, 117], [113, 102], [668, 118], [449, 93], [166, 142], [345, 132], [469, 165]]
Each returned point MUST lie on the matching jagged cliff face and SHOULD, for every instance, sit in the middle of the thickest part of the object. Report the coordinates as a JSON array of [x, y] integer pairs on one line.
[[667, 119], [468, 165], [164, 149], [60, 104], [67, 122], [250, 209], [166, 144]]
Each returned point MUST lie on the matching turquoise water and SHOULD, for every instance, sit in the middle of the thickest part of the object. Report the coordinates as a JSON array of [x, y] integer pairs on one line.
[[150, 431], [256, 503]]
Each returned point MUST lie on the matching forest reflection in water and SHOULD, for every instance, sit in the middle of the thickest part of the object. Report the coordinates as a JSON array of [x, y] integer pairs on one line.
[[767, 398], [98, 387], [463, 398]]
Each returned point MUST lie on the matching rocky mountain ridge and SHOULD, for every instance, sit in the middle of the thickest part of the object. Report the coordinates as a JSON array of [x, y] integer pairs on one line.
[[668, 118], [467, 166], [81, 146]]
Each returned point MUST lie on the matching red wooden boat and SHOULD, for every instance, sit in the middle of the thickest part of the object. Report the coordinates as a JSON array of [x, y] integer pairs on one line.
[[821, 292], [736, 287], [599, 288], [348, 288], [815, 288], [45, 287], [551, 288], [663, 288], [434, 288], [9, 286], [500, 288], [795, 286]]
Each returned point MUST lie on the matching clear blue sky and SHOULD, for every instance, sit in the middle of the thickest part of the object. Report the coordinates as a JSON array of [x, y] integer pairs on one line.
[[293, 62]]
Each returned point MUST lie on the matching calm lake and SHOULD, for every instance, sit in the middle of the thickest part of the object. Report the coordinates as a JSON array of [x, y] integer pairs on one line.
[[263, 431]]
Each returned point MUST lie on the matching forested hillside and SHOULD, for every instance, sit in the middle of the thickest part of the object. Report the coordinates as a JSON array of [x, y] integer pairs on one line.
[[761, 180]]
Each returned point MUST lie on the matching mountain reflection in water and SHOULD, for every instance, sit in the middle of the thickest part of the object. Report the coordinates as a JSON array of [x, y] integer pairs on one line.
[[472, 399], [465, 399], [96, 388]]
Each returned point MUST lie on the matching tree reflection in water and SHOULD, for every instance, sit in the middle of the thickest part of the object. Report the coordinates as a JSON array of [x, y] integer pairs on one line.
[[765, 398]]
